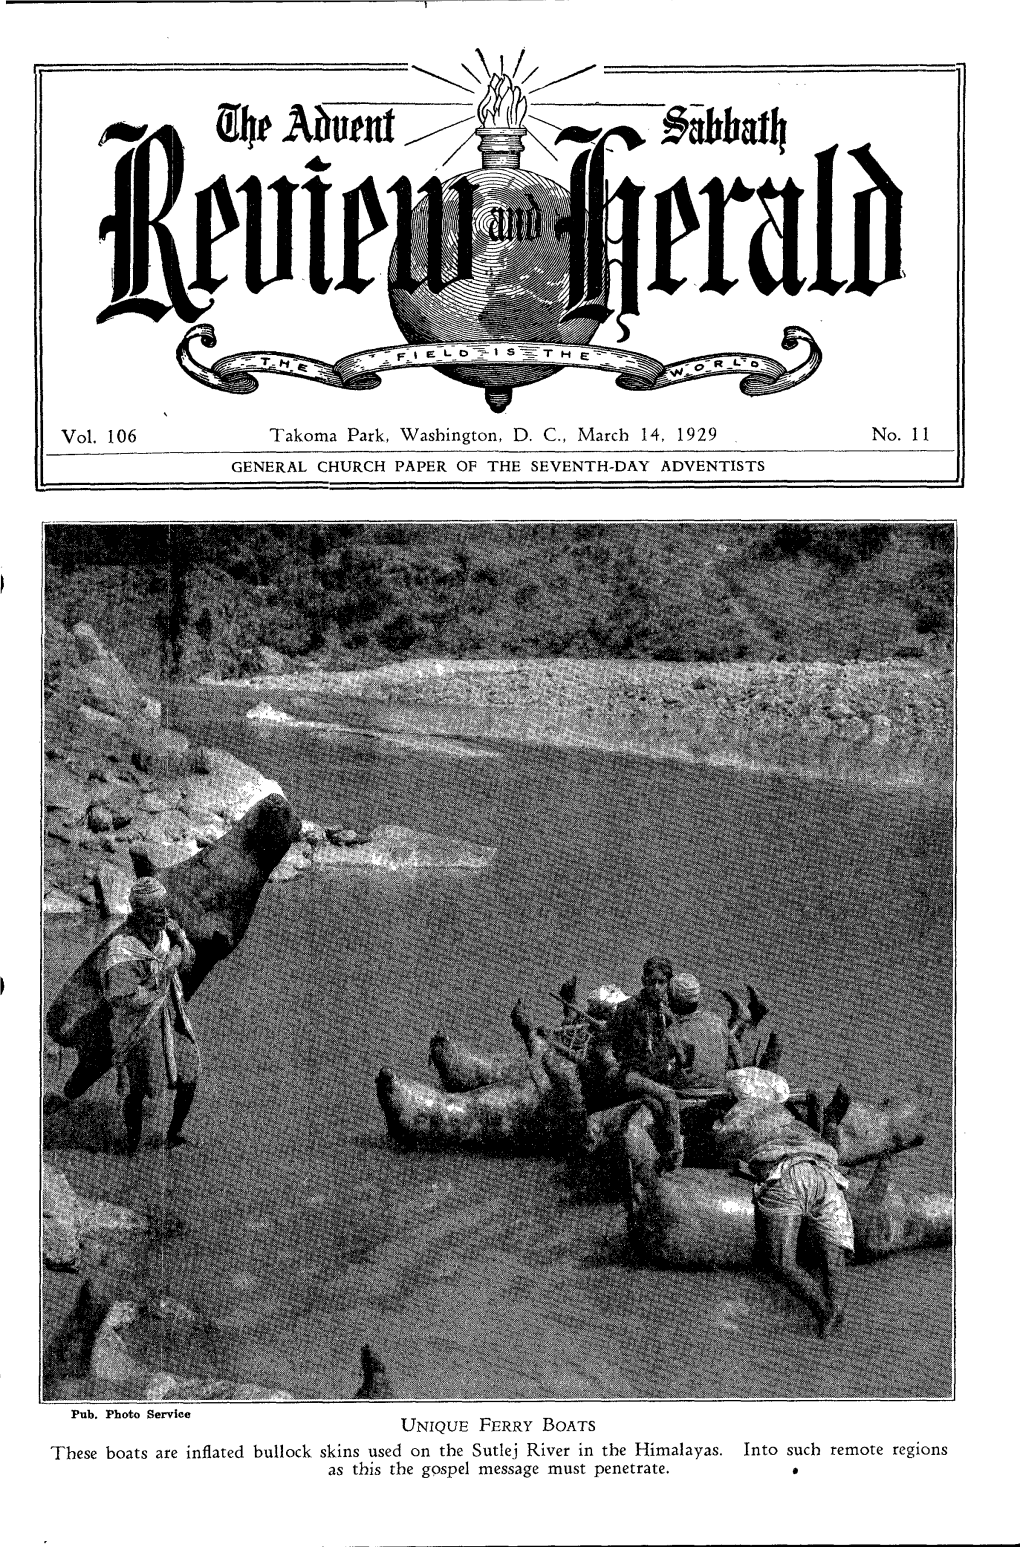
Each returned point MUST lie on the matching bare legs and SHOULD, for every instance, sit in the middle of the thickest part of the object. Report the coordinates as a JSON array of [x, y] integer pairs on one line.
[[664, 1104], [826, 1301]]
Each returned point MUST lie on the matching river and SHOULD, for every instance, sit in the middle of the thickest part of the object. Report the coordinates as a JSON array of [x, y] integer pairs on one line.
[[298, 1232]]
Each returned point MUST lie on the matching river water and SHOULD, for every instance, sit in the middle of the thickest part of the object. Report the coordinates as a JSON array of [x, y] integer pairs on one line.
[[298, 1232]]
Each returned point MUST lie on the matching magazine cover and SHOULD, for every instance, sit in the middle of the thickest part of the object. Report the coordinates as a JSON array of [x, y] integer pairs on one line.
[[503, 976]]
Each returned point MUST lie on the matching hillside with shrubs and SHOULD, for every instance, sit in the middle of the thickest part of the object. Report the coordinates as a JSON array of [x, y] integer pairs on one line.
[[232, 600]]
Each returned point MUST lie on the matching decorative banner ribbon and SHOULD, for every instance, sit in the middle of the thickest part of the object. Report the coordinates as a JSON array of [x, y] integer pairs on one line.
[[635, 373]]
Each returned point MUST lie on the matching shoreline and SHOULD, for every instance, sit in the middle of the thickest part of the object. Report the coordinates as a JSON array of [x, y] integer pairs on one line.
[[886, 724]]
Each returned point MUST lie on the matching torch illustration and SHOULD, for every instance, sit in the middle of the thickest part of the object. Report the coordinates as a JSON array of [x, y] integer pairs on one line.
[[512, 275]]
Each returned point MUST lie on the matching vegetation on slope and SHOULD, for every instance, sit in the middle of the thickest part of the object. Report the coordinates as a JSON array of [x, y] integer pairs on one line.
[[232, 599]]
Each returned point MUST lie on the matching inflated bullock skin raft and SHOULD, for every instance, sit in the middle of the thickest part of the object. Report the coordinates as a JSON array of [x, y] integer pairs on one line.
[[539, 1113], [690, 1218], [460, 1068], [857, 1130]]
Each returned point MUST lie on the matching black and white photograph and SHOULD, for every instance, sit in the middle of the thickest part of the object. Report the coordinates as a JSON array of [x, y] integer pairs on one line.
[[498, 961]]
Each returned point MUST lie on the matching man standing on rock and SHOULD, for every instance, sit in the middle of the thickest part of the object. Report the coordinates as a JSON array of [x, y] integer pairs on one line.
[[138, 973]]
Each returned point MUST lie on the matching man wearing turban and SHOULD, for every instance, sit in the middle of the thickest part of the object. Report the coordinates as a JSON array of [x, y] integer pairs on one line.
[[150, 1037]]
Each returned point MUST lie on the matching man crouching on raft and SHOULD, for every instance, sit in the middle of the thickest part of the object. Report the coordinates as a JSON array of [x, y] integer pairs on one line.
[[138, 974], [661, 1044], [796, 1179]]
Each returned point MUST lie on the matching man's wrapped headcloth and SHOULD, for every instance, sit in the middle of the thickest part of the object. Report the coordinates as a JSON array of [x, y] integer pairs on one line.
[[147, 896]]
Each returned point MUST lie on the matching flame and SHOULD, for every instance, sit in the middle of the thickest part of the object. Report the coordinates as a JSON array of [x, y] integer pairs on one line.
[[504, 104]]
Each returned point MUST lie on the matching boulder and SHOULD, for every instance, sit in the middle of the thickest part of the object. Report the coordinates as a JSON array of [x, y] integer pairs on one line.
[[100, 818], [103, 683], [89, 645], [66, 793], [209, 832], [114, 1370], [68, 1220], [853, 728], [162, 753], [230, 789], [96, 717], [111, 1366], [273, 663], [162, 1387], [56, 901], [61, 1251], [403, 848], [293, 862], [113, 887]]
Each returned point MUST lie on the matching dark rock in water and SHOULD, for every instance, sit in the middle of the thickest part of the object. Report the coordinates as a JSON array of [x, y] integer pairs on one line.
[[201, 760], [69, 1351], [213, 895], [345, 835], [375, 1383]]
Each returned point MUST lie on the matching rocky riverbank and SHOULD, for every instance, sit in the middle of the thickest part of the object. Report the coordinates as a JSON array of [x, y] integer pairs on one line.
[[122, 795], [885, 723]]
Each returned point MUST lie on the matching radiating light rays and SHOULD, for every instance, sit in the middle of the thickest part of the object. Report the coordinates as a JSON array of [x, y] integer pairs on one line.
[[560, 78], [535, 140], [457, 85], [458, 147], [457, 123], [442, 130]]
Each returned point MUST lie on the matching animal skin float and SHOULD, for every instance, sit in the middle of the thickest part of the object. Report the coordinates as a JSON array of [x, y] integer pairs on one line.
[[213, 896], [690, 1218], [541, 1113], [857, 1130]]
